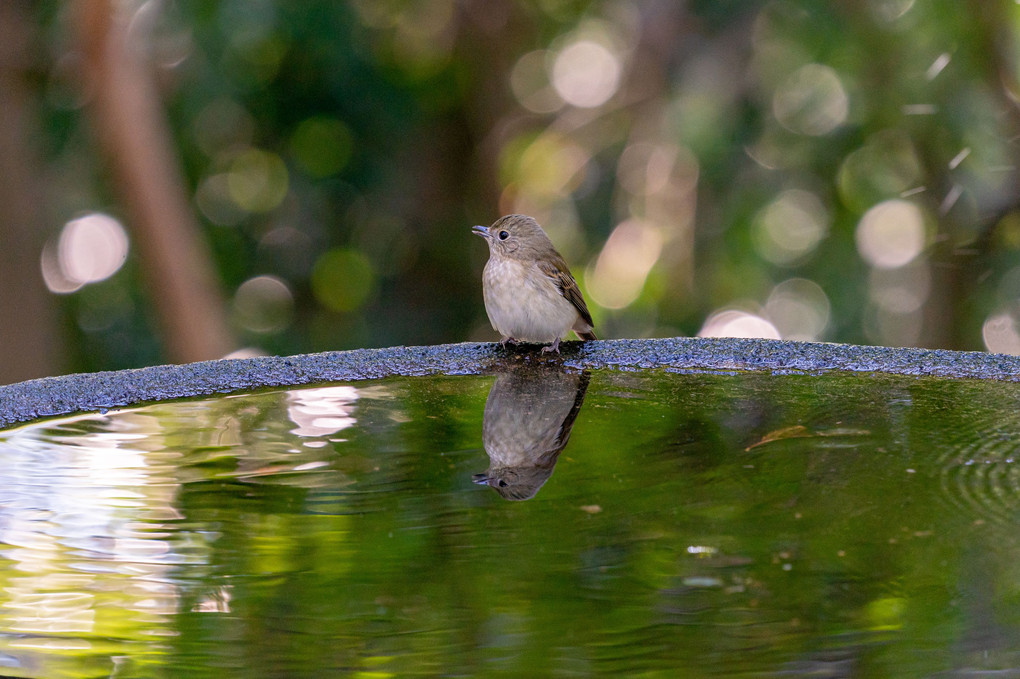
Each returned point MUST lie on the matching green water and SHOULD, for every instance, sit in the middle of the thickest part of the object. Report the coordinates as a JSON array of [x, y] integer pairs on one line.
[[678, 525]]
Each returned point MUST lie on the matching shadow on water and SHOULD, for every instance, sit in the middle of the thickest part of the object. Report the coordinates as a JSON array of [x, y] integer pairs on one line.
[[696, 525]]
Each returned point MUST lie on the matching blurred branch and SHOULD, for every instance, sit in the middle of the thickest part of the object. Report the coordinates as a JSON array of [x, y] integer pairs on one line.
[[134, 137], [29, 344]]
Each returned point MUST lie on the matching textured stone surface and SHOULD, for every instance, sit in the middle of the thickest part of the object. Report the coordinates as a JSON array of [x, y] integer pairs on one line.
[[99, 391]]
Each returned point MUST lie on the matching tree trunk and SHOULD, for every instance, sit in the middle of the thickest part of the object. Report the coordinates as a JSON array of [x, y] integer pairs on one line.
[[29, 328], [136, 141]]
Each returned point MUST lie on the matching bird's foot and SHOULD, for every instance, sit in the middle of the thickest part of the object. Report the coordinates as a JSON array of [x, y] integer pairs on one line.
[[555, 346], [511, 340]]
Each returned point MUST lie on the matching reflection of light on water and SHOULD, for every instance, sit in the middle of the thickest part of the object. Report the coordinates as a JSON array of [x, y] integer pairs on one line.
[[214, 602], [702, 550], [71, 508], [51, 612], [94, 554], [323, 411]]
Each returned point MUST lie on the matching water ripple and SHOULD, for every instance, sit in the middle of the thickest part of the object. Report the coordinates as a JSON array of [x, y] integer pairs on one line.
[[979, 473]]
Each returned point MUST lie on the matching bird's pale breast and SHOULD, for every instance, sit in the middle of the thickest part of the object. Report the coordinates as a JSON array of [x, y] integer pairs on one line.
[[524, 303]]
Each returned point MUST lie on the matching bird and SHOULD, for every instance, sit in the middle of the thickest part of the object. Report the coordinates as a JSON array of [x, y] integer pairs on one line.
[[526, 425], [529, 293]]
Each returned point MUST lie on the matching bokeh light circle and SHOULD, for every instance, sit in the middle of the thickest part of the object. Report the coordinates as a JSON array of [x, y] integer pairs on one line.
[[263, 304], [586, 74], [1000, 334], [790, 227], [891, 234], [811, 101], [737, 323], [343, 280], [92, 248], [799, 309]]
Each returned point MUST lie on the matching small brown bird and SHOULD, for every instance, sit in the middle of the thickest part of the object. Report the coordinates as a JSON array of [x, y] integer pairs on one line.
[[529, 293], [526, 425]]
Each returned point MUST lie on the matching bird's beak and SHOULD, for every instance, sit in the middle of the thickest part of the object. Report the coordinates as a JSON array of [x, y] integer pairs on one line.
[[483, 478], [482, 231]]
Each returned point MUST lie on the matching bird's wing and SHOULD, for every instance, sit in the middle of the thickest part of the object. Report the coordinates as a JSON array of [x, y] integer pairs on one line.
[[557, 270]]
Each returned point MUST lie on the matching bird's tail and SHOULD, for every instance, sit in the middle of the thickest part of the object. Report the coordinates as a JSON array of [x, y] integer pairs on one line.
[[585, 335]]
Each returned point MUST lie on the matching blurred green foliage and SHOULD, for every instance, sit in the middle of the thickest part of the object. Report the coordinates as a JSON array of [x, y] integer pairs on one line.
[[686, 158]]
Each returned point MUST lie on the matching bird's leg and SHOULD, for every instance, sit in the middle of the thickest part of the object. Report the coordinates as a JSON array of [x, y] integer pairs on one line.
[[555, 346], [503, 341]]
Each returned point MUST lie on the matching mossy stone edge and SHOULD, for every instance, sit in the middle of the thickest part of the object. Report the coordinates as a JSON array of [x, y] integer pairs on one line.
[[92, 392]]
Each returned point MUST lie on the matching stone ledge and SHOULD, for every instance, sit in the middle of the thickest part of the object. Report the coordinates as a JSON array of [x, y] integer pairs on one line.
[[91, 392]]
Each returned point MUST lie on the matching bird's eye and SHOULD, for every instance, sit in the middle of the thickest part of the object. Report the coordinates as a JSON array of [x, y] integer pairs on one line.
[[502, 483], [503, 235]]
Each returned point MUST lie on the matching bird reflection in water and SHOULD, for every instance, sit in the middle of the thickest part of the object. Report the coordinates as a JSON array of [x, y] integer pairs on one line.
[[527, 423]]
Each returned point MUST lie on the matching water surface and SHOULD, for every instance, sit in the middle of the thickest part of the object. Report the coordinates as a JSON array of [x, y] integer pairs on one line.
[[536, 522]]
